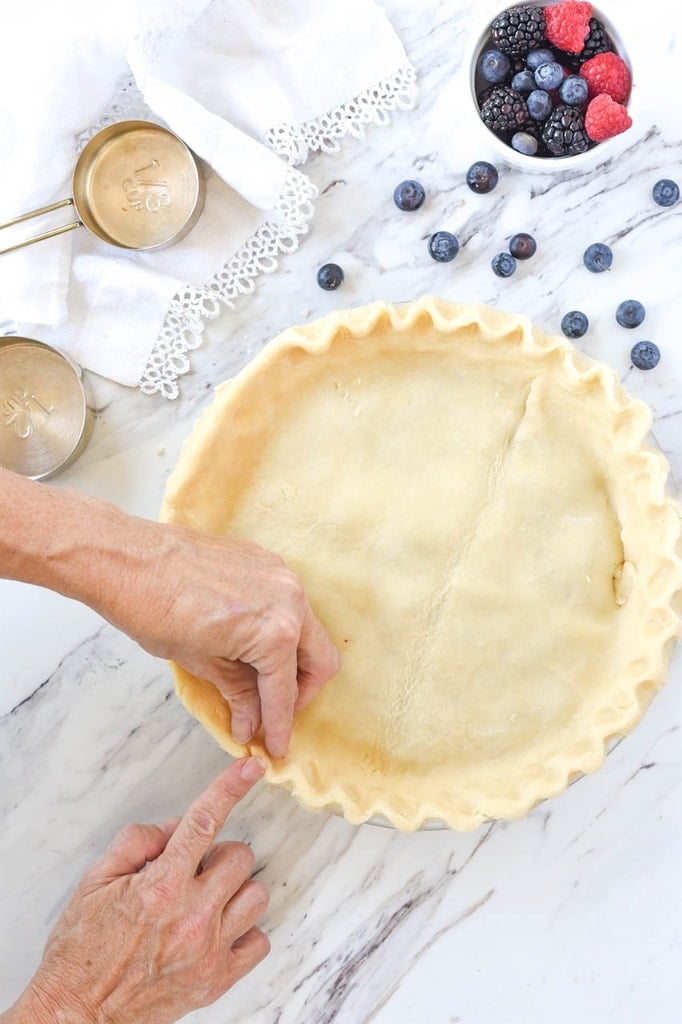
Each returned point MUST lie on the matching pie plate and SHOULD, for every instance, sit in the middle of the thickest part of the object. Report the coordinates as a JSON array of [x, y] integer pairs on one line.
[[482, 526]]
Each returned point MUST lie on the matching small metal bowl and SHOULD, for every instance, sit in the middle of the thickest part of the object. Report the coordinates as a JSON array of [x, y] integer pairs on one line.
[[136, 185], [45, 415]]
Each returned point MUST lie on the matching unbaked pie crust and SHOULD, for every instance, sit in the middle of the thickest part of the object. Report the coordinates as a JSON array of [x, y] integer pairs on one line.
[[480, 525]]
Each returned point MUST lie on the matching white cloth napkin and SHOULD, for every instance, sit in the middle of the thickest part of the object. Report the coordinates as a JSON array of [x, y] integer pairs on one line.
[[251, 87]]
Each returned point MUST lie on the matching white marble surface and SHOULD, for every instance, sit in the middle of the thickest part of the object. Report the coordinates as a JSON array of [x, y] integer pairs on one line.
[[572, 915]]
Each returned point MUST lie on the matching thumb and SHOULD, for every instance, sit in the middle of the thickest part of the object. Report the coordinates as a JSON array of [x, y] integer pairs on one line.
[[130, 850]]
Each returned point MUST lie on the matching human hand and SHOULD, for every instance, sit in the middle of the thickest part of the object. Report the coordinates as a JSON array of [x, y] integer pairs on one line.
[[161, 924], [225, 609], [230, 612]]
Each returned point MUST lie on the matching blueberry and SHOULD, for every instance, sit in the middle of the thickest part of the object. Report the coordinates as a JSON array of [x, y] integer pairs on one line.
[[645, 355], [503, 264], [522, 246], [523, 81], [409, 195], [443, 246], [539, 105], [524, 143], [482, 177], [630, 313], [573, 90], [330, 276], [549, 76], [574, 324], [537, 57], [597, 257], [494, 66], [666, 192]]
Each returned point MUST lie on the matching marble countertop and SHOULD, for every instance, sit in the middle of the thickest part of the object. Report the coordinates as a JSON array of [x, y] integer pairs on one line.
[[571, 915]]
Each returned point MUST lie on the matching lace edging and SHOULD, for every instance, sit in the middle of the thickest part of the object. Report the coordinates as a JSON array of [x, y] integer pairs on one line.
[[324, 134], [183, 326]]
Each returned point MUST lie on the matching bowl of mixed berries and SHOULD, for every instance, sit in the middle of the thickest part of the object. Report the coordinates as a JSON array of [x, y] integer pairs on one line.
[[551, 84]]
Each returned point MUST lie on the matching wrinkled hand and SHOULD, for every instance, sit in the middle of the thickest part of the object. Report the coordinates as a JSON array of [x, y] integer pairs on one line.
[[161, 924], [232, 613]]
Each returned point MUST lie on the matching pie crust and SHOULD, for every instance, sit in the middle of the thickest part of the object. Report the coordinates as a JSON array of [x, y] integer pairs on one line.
[[481, 526]]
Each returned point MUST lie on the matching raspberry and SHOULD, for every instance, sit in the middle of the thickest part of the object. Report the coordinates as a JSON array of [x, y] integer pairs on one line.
[[568, 24], [605, 118], [607, 73]]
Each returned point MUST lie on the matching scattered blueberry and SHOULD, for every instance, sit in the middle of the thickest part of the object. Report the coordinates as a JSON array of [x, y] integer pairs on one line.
[[630, 313], [494, 66], [549, 76], [443, 246], [573, 90], [597, 257], [503, 264], [525, 143], [645, 355], [523, 81], [574, 324], [537, 57], [539, 104], [330, 276], [522, 246], [666, 192], [409, 195], [482, 177]]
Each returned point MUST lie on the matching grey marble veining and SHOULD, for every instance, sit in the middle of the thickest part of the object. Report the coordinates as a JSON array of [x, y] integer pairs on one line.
[[571, 916]]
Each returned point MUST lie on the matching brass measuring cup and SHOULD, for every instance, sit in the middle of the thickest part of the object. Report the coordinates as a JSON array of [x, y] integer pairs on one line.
[[135, 185]]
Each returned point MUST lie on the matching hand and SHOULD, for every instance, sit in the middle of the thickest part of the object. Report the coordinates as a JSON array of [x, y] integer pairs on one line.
[[224, 609], [161, 924], [232, 613]]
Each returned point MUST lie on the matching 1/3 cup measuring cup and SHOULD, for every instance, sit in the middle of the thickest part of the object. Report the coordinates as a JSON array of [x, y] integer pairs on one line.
[[136, 185]]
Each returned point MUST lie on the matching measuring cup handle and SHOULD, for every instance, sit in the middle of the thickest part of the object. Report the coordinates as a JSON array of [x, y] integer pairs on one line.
[[46, 234]]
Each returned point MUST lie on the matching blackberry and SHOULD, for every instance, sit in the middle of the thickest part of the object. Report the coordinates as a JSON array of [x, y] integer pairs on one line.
[[518, 30], [504, 110], [564, 131], [598, 41]]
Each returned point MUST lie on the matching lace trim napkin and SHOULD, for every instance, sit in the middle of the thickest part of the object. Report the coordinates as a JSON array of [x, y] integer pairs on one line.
[[190, 78]]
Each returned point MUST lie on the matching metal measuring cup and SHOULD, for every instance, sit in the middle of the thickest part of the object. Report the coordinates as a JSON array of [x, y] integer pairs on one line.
[[136, 185], [46, 415]]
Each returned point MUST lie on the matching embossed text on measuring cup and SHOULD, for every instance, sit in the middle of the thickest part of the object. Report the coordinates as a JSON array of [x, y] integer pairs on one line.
[[22, 412], [150, 192]]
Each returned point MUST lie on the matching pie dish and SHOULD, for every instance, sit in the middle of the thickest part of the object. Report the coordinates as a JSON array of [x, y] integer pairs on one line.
[[481, 526]]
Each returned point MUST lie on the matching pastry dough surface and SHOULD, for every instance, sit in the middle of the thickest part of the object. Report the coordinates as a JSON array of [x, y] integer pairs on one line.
[[459, 494]]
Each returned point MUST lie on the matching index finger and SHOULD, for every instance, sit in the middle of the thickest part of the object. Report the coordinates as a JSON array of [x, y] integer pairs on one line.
[[206, 816]]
